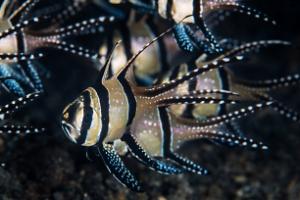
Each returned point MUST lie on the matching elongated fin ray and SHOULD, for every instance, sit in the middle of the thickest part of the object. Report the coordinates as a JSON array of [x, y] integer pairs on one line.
[[281, 108], [70, 10], [286, 112], [28, 9], [213, 91], [23, 9], [20, 129], [230, 139], [20, 56], [271, 84], [16, 105], [23, 24], [122, 73], [74, 49], [186, 99], [198, 12], [104, 72], [231, 116], [187, 164], [78, 27], [219, 62], [232, 6]]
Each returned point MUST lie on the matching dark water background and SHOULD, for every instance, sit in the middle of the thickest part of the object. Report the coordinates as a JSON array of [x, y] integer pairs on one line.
[[50, 167]]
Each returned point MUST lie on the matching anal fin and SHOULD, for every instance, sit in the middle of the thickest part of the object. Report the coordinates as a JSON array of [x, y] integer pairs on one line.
[[156, 165]]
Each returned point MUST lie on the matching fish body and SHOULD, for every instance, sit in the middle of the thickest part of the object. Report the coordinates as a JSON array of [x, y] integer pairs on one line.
[[116, 115]]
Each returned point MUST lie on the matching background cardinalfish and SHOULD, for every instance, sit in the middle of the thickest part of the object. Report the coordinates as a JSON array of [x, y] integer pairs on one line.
[[225, 79], [115, 115], [136, 32], [23, 31], [153, 66], [204, 13]]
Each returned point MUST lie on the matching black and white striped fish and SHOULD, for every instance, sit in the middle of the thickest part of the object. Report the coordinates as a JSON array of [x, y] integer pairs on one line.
[[116, 115], [202, 14]]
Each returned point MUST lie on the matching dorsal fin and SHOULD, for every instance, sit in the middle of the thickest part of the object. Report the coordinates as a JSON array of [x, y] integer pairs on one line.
[[105, 69], [122, 73]]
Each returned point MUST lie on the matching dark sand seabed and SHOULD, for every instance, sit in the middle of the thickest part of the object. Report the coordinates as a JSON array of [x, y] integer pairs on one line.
[[48, 166]]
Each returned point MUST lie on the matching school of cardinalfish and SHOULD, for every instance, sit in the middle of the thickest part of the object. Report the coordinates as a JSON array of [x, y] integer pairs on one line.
[[145, 101]]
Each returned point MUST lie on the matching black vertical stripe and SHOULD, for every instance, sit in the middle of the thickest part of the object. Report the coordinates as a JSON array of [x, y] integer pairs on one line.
[[223, 107], [87, 118], [192, 84], [162, 48], [174, 73], [169, 9], [126, 87], [110, 46], [104, 103], [21, 49], [126, 37], [20, 42], [197, 18], [166, 130], [225, 86], [130, 97]]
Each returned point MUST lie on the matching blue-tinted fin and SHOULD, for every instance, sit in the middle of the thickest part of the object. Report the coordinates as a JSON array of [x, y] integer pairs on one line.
[[116, 166], [188, 41], [14, 87], [34, 76], [141, 155], [182, 38], [10, 84]]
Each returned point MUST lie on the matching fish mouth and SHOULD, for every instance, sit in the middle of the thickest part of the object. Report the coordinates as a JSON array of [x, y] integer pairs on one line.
[[67, 128]]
